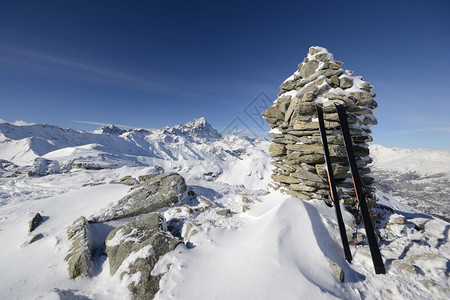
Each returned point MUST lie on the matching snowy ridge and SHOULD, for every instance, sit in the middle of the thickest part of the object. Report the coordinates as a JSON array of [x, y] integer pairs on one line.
[[270, 246], [21, 144], [194, 149], [425, 162], [421, 178]]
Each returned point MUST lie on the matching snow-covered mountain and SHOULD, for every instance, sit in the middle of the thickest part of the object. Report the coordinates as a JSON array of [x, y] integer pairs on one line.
[[241, 240], [195, 149], [22, 144], [421, 178]]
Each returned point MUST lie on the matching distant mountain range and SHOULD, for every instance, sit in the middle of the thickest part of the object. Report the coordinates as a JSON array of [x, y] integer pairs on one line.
[[420, 177], [194, 148]]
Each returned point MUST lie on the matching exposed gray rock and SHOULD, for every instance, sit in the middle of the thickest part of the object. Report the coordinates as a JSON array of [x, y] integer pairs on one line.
[[87, 166], [346, 82], [42, 167], [308, 96], [338, 272], [133, 250], [338, 170], [35, 222], [204, 202], [79, 257], [323, 56], [288, 85], [223, 212], [308, 68], [295, 101], [310, 88], [158, 191], [273, 112], [334, 81], [127, 180], [306, 175], [277, 149]]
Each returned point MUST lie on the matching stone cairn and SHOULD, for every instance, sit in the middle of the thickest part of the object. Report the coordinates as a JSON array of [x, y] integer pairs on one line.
[[296, 148]]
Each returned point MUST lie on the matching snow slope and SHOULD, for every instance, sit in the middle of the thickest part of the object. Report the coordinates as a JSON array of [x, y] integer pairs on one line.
[[271, 246]]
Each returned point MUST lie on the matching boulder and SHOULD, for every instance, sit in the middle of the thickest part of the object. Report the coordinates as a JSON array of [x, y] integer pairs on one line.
[[273, 112], [334, 81], [42, 167], [277, 149], [308, 97], [295, 101], [308, 68], [306, 175], [324, 56], [79, 257], [338, 170], [224, 212], [285, 179], [158, 191], [35, 222], [345, 82], [133, 250]]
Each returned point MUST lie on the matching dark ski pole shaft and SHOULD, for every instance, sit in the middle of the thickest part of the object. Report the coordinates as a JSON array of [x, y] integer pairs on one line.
[[332, 185], [370, 233]]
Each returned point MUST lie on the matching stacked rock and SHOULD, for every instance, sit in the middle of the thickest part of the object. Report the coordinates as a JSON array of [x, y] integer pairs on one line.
[[296, 148]]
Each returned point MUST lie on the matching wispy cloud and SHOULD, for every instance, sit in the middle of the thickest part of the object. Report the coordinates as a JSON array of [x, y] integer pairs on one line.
[[108, 75], [142, 78]]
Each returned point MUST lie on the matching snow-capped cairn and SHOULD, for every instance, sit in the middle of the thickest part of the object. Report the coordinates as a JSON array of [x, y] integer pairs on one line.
[[296, 146]]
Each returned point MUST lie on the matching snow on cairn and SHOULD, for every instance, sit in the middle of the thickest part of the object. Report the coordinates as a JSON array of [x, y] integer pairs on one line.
[[296, 150]]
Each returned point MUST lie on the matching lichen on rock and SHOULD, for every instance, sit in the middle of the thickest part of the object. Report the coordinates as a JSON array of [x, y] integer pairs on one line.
[[155, 192], [133, 250], [296, 148], [79, 257]]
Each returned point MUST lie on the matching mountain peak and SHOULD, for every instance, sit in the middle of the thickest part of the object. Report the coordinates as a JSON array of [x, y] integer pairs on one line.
[[110, 129], [198, 128]]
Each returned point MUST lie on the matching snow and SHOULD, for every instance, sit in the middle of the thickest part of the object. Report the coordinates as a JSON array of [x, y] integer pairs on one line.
[[134, 278], [35, 269], [423, 161], [120, 237], [321, 50], [275, 131], [274, 256], [279, 248]]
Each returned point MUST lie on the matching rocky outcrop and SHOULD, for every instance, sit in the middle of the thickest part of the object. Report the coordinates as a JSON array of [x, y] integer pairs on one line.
[[296, 148], [337, 270], [80, 254], [134, 247], [133, 250], [127, 180], [35, 222], [157, 191], [42, 167]]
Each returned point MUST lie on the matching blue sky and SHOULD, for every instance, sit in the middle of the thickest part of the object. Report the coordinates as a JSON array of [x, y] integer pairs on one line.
[[149, 64]]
